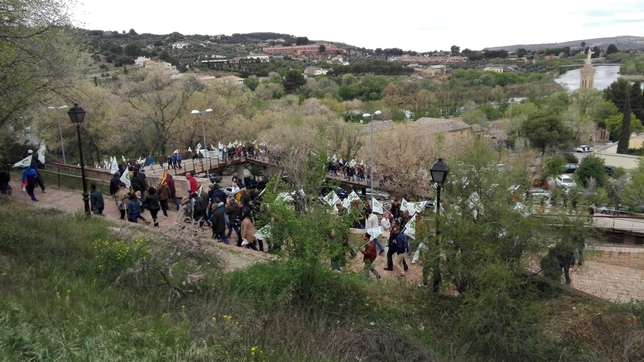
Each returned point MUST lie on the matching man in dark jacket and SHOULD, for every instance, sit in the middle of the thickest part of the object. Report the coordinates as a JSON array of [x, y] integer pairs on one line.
[[96, 199], [201, 205], [34, 165], [233, 211], [401, 250], [5, 177], [173, 191], [114, 184], [137, 182], [393, 247], [218, 221]]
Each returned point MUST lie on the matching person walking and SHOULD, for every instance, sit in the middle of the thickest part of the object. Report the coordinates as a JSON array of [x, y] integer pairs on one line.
[[173, 191], [164, 195], [29, 176], [218, 222], [233, 211], [153, 205], [96, 199], [401, 250], [248, 229], [372, 223], [114, 184], [34, 164], [133, 209], [122, 197], [191, 183], [370, 255], [150, 162]]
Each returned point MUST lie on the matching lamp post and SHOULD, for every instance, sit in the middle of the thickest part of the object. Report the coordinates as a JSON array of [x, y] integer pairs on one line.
[[60, 132], [203, 130], [77, 116], [371, 171], [439, 175]]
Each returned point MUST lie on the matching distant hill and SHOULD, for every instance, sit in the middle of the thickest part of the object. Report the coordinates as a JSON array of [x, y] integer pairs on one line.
[[625, 42]]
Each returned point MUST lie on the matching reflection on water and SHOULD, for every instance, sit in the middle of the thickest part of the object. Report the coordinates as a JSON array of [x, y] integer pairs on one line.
[[604, 76]]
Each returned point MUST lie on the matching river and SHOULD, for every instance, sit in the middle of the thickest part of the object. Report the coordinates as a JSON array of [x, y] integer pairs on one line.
[[604, 76]]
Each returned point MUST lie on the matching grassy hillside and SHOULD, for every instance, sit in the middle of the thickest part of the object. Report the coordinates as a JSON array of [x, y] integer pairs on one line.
[[77, 289]]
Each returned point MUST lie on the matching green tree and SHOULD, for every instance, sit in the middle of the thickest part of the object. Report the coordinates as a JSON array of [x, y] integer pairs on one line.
[[322, 48], [591, 167], [555, 166], [292, 81], [251, 82], [132, 50], [301, 40], [40, 56], [612, 49], [625, 134], [637, 100], [545, 129], [634, 189], [616, 92], [456, 50], [614, 125]]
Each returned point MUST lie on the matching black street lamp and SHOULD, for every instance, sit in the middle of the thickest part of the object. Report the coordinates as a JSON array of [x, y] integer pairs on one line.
[[439, 175], [77, 116]]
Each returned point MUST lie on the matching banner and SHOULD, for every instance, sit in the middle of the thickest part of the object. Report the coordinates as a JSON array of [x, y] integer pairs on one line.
[[375, 232], [410, 228], [114, 167], [125, 178], [41, 153], [377, 207], [263, 233], [26, 162], [331, 198]]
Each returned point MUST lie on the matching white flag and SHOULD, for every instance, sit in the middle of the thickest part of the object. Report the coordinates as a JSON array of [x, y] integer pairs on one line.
[[353, 196], [410, 228], [123, 157], [377, 207], [114, 167], [176, 151], [199, 190], [24, 163], [221, 146], [41, 153], [375, 232], [198, 146], [331, 198], [263, 233], [189, 149], [352, 163], [125, 178]]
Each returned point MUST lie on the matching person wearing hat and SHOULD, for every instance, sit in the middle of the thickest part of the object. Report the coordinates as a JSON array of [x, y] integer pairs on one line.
[[370, 255]]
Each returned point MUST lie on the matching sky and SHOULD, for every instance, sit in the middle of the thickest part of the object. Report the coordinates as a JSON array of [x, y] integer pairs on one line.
[[418, 25]]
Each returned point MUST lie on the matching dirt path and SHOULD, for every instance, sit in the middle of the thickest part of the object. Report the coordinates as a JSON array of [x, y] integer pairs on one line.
[[235, 257]]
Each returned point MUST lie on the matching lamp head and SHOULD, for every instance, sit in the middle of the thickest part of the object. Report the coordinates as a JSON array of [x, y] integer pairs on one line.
[[76, 114], [194, 111], [208, 110], [439, 172]]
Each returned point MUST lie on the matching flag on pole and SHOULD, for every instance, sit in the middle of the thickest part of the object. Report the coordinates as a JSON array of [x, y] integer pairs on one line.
[[199, 190], [41, 153], [189, 149], [332, 198], [352, 163], [25, 162], [375, 232], [410, 228], [165, 176], [353, 196], [113, 167], [125, 178], [123, 158], [176, 151], [377, 207], [221, 145], [198, 146], [263, 233]]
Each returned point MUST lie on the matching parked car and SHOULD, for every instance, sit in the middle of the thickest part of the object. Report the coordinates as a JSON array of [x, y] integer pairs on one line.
[[571, 167], [538, 193], [378, 195], [342, 193], [565, 181], [584, 149], [605, 210]]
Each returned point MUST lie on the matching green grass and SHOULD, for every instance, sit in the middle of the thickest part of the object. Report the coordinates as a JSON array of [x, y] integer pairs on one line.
[[59, 302]]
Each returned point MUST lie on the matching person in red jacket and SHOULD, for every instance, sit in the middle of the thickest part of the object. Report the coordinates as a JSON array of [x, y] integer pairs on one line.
[[370, 255]]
